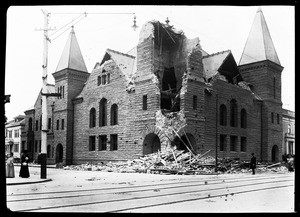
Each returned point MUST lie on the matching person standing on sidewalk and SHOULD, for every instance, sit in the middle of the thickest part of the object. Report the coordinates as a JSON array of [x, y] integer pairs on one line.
[[253, 164], [24, 171], [10, 170]]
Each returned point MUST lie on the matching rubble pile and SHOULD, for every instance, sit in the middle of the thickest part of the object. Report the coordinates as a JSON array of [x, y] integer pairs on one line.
[[179, 162]]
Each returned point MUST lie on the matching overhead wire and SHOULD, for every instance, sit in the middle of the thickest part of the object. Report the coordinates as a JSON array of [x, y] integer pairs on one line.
[[84, 13], [67, 29], [67, 24]]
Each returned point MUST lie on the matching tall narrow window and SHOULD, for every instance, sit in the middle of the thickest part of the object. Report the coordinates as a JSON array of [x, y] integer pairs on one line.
[[63, 91], [233, 143], [92, 117], [223, 115], [103, 79], [99, 80], [40, 146], [36, 125], [243, 118], [92, 142], [60, 90], [103, 112], [243, 144], [62, 124], [23, 145], [113, 142], [41, 122], [49, 123], [108, 78], [102, 142], [57, 125], [278, 119], [30, 124], [48, 151], [274, 87], [272, 117], [16, 147], [223, 142], [233, 113], [114, 114], [144, 102], [194, 102]]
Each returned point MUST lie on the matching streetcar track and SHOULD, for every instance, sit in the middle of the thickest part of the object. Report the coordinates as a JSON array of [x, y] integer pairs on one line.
[[162, 195], [137, 186], [216, 182], [199, 198]]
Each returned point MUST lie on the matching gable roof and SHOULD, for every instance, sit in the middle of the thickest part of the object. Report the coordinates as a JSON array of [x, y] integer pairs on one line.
[[259, 45], [14, 123], [211, 63], [223, 63], [71, 57], [125, 62]]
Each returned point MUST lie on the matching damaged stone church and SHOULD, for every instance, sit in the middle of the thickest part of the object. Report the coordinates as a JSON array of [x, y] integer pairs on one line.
[[167, 92]]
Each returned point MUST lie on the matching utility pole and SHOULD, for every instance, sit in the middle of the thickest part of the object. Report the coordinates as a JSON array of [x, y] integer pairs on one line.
[[44, 100], [216, 168], [43, 156]]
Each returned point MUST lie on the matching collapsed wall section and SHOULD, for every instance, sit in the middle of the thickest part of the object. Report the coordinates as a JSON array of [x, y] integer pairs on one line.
[[169, 73]]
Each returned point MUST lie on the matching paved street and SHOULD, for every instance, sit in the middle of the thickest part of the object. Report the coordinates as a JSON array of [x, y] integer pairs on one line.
[[94, 191]]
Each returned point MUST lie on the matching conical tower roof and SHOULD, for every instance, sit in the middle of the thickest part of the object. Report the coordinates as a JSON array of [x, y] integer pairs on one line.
[[259, 45], [71, 57]]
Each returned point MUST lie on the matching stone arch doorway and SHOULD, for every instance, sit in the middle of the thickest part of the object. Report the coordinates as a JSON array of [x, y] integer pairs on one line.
[[59, 153], [186, 139], [275, 151], [151, 144]]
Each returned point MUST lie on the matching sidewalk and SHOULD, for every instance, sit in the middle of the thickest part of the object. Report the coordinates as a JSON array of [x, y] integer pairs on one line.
[[34, 178]]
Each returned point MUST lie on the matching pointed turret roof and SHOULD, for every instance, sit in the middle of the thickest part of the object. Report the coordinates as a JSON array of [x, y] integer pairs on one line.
[[71, 57], [259, 45]]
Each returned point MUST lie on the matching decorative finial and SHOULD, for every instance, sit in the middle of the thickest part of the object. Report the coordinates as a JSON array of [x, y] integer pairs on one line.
[[259, 9], [167, 21], [134, 26]]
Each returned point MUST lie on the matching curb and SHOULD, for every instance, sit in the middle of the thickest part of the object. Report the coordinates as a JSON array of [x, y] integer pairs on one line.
[[29, 182]]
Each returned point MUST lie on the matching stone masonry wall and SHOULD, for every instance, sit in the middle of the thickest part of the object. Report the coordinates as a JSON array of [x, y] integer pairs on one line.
[[225, 92]]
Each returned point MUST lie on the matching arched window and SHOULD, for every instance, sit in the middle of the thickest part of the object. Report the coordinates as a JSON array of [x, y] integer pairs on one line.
[[233, 113], [103, 112], [92, 117], [223, 115], [243, 118], [114, 114], [30, 124]]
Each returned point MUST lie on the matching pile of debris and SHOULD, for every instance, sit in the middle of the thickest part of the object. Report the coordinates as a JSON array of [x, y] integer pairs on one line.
[[179, 162]]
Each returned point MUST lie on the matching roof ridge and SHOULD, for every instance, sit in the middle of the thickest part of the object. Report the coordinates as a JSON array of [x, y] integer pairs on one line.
[[118, 52], [217, 53]]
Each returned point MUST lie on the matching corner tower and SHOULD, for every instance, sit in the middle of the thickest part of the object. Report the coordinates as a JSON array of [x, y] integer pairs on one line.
[[260, 66], [70, 75]]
